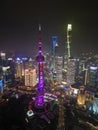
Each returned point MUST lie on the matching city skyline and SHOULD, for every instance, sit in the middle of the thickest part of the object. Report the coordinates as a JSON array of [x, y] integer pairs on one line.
[[19, 25]]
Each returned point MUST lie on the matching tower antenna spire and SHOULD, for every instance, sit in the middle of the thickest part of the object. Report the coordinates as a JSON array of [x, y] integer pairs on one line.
[[39, 27]]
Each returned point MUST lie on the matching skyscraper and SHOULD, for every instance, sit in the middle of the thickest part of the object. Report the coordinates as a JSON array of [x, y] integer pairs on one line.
[[69, 29], [71, 71], [30, 77], [59, 67]]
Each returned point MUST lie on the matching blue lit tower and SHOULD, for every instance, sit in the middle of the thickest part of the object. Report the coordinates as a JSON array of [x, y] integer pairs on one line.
[[39, 103], [54, 45]]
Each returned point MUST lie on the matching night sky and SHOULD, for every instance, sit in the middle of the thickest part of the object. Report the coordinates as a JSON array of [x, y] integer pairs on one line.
[[19, 21]]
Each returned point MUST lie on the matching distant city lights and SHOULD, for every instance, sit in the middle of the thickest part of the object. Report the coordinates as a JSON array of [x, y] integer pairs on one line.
[[93, 68]]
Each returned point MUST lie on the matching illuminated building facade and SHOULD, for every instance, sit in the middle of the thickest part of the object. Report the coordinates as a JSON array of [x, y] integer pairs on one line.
[[19, 68], [7, 71], [30, 77], [69, 30], [1, 86], [40, 89], [93, 76], [58, 68], [81, 97], [71, 70], [95, 105], [3, 55], [5, 74], [54, 45]]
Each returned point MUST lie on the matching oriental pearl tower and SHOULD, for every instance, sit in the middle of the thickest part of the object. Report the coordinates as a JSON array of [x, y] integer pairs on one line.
[[44, 111], [39, 103]]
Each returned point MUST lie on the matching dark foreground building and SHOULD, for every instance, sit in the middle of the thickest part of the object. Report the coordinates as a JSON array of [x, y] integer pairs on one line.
[[13, 116]]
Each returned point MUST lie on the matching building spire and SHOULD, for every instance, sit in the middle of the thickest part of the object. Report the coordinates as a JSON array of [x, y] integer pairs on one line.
[[39, 27], [40, 38]]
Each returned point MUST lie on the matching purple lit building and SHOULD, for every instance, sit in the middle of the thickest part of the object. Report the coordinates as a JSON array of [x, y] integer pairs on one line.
[[39, 103]]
